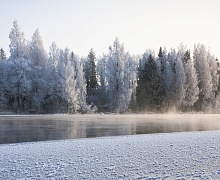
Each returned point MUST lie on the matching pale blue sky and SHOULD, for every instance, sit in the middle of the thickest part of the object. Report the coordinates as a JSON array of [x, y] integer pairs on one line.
[[140, 24]]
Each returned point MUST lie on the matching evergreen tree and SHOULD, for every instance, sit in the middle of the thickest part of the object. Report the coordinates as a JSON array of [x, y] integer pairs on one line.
[[168, 77], [141, 82], [92, 81], [160, 54], [154, 90], [186, 57], [161, 66], [2, 55]]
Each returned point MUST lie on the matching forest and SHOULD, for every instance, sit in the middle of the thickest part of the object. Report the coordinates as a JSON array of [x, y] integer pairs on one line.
[[175, 80]]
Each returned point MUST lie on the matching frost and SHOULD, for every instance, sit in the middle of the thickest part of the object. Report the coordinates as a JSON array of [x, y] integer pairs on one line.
[[161, 156]]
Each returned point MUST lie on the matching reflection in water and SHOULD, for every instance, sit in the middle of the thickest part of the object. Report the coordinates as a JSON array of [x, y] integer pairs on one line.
[[15, 129]]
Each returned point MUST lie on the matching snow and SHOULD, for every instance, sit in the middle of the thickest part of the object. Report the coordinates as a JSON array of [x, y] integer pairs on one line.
[[191, 155]]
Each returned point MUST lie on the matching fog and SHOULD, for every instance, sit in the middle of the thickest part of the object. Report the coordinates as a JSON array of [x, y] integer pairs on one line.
[[14, 129]]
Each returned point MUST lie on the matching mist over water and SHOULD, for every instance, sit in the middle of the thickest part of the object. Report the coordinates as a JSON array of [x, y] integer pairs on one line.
[[14, 129]]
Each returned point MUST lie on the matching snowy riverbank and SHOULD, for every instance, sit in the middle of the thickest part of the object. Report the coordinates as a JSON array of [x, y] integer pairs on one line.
[[158, 156]]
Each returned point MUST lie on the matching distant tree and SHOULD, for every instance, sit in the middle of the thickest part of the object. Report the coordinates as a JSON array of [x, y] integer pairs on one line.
[[72, 92], [186, 57], [102, 68], [118, 72], [154, 89], [54, 83], [18, 45], [141, 82], [160, 54], [168, 77], [3, 80], [37, 63], [214, 73], [180, 79], [2, 55], [191, 84], [37, 52], [163, 72], [92, 81], [80, 83], [18, 86], [204, 77]]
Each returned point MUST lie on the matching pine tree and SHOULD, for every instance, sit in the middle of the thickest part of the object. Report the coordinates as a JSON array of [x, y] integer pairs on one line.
[[160, 54], [141, 87], [154, 89], [92, 81], [2, 55], [186, 57]]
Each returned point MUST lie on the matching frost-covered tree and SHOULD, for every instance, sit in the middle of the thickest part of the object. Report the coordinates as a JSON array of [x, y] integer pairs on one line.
[[37, 63], [191, 83], [131, 81], [180, 78], [2, 82], [168, 77], [64, 82], [37, 51], [214, 73], [19, 85], [54, 88], [161, 61], [81, 82], [204, 76], [18, 45], [72, 92], [2, 78], [162, 64], [102, 69], [117, 76]]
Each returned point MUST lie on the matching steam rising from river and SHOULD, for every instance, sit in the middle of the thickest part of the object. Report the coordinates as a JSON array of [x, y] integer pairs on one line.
[[52, 127]]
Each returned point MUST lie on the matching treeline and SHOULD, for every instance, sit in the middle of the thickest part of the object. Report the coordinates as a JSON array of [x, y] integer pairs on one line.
[[34, 81]]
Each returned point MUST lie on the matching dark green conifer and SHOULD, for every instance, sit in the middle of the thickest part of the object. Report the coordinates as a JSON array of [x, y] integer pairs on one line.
[[92, 81]]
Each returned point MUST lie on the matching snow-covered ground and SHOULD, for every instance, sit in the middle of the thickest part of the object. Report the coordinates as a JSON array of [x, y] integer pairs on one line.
[[191, 155]]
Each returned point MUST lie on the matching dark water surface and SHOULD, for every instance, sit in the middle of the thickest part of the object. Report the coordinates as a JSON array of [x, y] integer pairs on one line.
[[14, 129]]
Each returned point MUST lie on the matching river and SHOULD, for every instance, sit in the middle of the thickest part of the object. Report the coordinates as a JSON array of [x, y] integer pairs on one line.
[[28, 128]]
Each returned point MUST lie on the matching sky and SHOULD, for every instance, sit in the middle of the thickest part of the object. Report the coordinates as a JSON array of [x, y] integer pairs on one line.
[[140, 24]]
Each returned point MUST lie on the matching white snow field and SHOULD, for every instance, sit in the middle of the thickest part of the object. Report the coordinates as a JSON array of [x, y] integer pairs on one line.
[[191, 155]]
